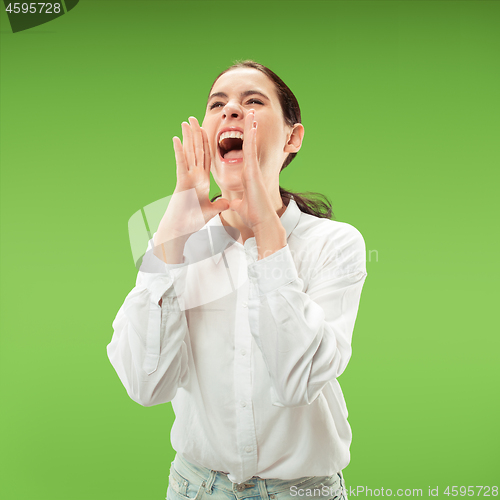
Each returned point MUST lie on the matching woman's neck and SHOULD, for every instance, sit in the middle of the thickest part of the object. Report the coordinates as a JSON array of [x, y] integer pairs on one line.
[[232, 218]]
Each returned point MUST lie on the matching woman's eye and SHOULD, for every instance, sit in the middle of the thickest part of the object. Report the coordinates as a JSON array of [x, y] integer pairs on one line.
[[251, 101], [216, 104]]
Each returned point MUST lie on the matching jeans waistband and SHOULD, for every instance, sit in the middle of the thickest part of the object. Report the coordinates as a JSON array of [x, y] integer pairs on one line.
[[214, 479]]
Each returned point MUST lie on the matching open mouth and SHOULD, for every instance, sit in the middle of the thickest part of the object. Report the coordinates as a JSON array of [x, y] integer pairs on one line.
[[231, 145]]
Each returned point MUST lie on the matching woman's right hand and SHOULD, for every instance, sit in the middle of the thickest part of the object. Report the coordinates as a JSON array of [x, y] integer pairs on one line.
[[189, 208]]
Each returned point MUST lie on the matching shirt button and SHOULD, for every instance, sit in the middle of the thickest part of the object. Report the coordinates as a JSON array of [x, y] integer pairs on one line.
[[243, 352], [248, 449], [243, 404], [244, 304]]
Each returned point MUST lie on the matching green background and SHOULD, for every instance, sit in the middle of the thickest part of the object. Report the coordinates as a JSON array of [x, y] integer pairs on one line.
[[400, 106]]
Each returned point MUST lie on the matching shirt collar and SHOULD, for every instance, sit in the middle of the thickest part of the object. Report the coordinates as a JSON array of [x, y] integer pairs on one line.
[[220, 239]]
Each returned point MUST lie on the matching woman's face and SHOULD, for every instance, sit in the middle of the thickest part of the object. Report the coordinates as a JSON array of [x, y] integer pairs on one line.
[[232, 97]]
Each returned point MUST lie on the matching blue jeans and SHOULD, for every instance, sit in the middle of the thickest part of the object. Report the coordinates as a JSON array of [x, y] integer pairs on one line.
[[190, 482]]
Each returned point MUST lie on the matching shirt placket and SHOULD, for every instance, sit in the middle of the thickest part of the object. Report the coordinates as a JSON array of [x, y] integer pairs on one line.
[[247, 439]]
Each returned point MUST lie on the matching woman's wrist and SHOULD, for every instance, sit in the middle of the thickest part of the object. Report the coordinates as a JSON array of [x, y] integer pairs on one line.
[[170, 251], [269, 237]]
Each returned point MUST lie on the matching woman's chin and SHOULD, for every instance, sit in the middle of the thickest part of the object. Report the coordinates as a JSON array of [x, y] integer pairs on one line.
[[228, 177], [236, 187]]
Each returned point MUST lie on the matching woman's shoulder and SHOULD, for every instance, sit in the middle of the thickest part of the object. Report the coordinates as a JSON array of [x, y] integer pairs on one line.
[[322, 230], [330, 244]]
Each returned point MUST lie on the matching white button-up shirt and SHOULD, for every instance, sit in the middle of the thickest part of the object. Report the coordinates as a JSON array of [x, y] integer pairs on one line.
[[248, 351]]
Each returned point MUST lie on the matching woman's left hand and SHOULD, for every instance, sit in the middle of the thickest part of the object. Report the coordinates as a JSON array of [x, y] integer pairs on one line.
[[255, 208]]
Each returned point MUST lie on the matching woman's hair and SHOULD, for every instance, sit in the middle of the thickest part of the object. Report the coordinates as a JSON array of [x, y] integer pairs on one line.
[[291, 114]]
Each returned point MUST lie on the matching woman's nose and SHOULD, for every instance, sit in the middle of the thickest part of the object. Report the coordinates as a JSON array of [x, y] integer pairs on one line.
[[231, 110]]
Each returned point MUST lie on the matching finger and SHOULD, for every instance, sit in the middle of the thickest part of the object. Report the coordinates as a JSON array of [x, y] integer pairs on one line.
[[180, 160], [208, 151], [187, 136], [220, 205], [235, 205], [250, 142], [198, 141]]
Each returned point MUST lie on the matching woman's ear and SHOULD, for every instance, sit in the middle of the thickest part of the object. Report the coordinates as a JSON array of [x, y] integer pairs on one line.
[[295, 139]]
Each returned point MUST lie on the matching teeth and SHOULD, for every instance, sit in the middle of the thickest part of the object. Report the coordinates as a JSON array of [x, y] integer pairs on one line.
[[233, 134]]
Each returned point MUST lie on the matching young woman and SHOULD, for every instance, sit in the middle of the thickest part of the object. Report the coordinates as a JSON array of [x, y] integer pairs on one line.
[[244, 308]]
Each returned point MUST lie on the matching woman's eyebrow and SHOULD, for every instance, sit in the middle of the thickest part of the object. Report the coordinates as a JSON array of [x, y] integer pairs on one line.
[[250, 92], [217, 94], [243, 94]]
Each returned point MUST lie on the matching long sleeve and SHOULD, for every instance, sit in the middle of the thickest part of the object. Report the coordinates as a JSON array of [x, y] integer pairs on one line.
[[148, 349], [237, 339], [305, 335]]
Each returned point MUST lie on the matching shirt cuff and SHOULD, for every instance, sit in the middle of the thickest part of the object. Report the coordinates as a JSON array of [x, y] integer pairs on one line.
[[273, 271], [157, 276], [159, 285]]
